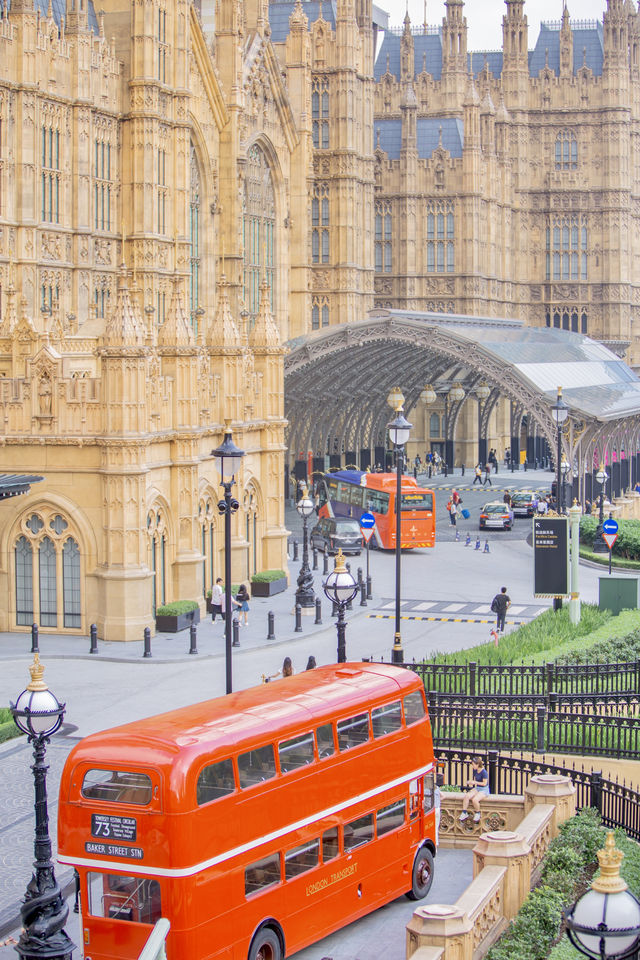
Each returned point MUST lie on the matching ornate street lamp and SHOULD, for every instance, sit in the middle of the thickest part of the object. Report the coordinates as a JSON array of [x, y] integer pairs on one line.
[[399, 430], [564, 469], [228, 457], [483, 391], [44, 913], [305, 595], [560, 413], [340, 588], [427, 395], [604, 923], [599, 544]]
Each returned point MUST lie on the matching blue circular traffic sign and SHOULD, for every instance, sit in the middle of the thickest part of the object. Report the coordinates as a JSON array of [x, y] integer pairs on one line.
[[610, 526], [367, 521]]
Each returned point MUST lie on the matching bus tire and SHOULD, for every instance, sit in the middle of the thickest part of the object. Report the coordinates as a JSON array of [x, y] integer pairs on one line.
[[422, 876], [266, 945]]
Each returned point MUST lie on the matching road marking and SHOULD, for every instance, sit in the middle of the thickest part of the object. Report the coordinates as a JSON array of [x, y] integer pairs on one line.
[[424, 605], [387, 616], [453, 608], [485, 608]]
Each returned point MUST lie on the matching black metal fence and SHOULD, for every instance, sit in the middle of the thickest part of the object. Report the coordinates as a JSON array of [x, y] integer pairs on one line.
[[476, 679], [617, 803]]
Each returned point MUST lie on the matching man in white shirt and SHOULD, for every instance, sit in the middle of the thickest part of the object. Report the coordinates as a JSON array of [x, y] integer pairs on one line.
[[216, 600]]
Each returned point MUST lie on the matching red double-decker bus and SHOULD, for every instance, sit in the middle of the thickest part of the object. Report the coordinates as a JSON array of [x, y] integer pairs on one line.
[[256, 823]]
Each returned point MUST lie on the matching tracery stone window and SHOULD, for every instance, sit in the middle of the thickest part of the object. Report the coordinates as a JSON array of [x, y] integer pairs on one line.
[[320, 112], [568, 317], [206, 519], [383, 233], [567, 246], [258, 228], [566, 150], [162, 45], [162, 192], [102, 184], [434, 425], [51, 172], [157, 533], [47, 570], [441, 232], [320, 223], [194, 241], [250, 507], [319, 312]]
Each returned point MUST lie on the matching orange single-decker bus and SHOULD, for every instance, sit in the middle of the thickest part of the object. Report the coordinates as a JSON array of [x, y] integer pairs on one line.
[[258, 822], [350, 493]]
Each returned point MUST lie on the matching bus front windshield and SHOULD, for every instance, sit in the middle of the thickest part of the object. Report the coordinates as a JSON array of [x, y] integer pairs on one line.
[[417, 501]]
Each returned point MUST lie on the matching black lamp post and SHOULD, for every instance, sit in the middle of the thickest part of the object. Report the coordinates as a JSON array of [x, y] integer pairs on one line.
[[340, 588], [560, 414], [44, 913], [604, 923], [399, 430], [599, 544], [564, 468], [305, 595], [228, 457]]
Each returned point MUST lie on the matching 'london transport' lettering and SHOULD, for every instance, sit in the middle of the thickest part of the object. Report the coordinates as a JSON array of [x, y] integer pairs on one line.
[[331, 879]]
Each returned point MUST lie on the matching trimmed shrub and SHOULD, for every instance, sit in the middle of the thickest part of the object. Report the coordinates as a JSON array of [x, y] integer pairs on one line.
[[268, 576], [8, 729], [176, 608]]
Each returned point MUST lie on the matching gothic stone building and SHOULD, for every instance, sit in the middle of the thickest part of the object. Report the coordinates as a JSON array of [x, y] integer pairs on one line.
[[184, 187]]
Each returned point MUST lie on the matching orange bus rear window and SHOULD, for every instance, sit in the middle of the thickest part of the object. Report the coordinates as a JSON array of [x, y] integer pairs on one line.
[[117, 786], [353, 732], [215, 781], [386, 719], [135, 899], [413, 707], [265, 873], [295, 753], [256, 766]]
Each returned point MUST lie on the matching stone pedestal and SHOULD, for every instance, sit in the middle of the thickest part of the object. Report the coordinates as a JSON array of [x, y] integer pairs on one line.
[[440, 925], [506, 848], [555, 790]]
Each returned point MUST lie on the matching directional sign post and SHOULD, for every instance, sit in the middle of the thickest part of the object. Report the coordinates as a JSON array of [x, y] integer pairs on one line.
[[610, 535], [367, 526]]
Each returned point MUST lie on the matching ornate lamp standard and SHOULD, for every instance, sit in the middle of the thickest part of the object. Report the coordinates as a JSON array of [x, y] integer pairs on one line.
[[44, 913], [564, 469], [483, 392], [428, 396], [455, 395], [604, 923], [305, 595], [560, 414], [399, 430], [340, 588], [228, 457], [599, 545]]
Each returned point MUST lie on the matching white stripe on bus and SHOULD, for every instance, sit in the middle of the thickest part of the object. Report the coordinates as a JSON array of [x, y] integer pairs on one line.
[[243, 848]]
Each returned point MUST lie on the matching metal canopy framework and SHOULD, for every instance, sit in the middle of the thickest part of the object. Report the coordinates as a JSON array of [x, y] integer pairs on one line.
[[337, 380], [13, 484]]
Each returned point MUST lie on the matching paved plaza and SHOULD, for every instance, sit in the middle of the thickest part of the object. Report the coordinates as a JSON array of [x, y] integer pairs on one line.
[[446, 596]]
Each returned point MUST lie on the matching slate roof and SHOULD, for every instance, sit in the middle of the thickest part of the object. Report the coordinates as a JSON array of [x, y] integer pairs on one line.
[[585, 38], [58, 8], [429, 44], [279, 13], [427, 135], [492, 57]]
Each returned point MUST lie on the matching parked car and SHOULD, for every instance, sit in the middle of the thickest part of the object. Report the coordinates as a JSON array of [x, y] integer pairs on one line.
[[496, 515], [524, 503], [337, 533]]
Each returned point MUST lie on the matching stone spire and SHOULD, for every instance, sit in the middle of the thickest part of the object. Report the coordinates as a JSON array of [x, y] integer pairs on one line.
[[265, 332], [124, 326], [176, 330], [224, 332]]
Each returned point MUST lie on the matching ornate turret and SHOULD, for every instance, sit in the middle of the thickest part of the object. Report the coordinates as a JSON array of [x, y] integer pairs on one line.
[[125, 326], [566, 44], [454, 37], [406, 51], [265, 332], [176, 330], [224, 331]]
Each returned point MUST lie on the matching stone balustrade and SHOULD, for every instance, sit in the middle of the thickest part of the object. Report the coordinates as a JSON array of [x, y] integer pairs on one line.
[[507, 862]]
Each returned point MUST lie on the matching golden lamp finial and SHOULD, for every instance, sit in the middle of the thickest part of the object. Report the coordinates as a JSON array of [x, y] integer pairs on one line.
[[609, 858]]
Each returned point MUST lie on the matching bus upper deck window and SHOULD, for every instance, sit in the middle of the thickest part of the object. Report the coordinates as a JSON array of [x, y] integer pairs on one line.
[[295, 753], [386, 719], [257, 765], [353, 732], [215, 781], [135, 899], [326, 746], [117, 786], [413, 707]]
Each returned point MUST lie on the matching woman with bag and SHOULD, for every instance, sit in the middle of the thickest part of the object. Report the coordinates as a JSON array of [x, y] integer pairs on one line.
[[242, 596]]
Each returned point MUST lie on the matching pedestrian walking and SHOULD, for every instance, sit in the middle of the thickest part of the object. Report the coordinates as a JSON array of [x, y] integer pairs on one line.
[[452, 508], [455, 496], [499, 605], [478, 475], [242, 596], [216, 600], [507, 498], [487, 475]]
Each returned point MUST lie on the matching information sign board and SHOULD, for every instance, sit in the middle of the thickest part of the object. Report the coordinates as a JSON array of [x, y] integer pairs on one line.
[[551, 556]]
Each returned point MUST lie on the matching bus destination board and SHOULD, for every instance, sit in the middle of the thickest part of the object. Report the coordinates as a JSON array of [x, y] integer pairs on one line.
[[114, 828], [551, 556], [113, 850]]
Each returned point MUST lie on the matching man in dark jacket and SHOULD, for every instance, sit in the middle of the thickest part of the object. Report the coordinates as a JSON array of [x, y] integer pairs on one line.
[[499, 605]]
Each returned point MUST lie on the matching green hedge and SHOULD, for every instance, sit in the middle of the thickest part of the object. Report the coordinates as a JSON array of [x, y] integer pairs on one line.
[[176, 608], [268, 576], [565, 869], [8, 729], [627, 546]]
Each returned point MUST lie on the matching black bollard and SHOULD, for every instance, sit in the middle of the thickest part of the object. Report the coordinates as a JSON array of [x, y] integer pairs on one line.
[[271, 625], [315, 559], [318, 618], [295, 550], [298, 627], [147, 642], [369, 594], [462, 470], [359, 577], [93, 634], [363, 594], [325, 564], [446, 470], [236, 633], [525, 466], [348, 565], [34, 638], [335, 609], [192, 639], [513, 464]]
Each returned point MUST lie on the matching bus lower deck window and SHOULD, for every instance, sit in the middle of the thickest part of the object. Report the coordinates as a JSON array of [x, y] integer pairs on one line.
[[301, 859], [115, 897], [262, 874], [358, 832], [215, 781], [390, 818], [429, 791], [413, 707], [295, 753], [257, 765], [117, 786], [386, 719], [330, 844], [326, 746], [353, 732]]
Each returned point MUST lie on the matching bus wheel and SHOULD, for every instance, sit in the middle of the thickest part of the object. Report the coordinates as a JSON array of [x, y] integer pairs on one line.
[[422, 875], [266, 946]]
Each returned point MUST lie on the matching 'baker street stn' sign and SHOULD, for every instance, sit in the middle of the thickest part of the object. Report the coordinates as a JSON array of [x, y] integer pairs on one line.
[[551, 556]]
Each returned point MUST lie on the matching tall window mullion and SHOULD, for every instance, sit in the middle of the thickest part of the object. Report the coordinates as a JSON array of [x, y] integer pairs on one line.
[[71, 584], [50, 182], [24, 582], [47, 584]]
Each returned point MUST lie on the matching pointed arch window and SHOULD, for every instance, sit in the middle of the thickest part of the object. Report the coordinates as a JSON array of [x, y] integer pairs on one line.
[[441, 235], [194, 241], [258, 230], [383, 234], [567, 249], [320, 112], [206, 518], [319, 312], [51, 173], [24, 582], [320, 223], [566, 150], [157, 532]]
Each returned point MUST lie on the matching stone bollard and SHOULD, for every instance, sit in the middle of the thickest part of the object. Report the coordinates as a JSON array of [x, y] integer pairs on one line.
[[271, 625], [298, 627], [192, 639], [318, 618], [93, 635], [147, 642]]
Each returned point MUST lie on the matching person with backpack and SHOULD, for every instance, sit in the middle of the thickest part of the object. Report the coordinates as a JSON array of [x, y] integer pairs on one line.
[[499, 605], [478, 475]]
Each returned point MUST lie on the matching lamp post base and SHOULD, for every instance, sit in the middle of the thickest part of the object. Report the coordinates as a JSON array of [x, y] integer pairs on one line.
[[397, 653]]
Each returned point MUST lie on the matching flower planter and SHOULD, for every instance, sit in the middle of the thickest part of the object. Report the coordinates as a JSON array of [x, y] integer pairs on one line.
[[269, 588], [177, 622], [209, 606]]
